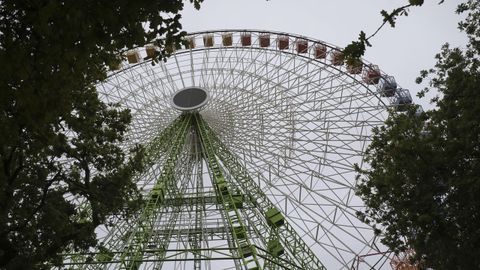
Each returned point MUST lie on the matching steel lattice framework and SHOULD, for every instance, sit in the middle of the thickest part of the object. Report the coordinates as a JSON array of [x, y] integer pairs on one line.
[[262, 176]]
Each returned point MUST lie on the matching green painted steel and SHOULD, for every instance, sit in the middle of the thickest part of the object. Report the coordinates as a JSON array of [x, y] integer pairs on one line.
[[246, 250], [303, 256], [160, 145], [132, 256], [257, 232]]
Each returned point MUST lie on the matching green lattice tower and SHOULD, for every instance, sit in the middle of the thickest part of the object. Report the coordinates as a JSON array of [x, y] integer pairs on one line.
[[260, 173], [214, 212]]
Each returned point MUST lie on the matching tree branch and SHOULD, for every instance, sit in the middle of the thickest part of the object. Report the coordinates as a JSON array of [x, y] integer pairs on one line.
[[385, 20]]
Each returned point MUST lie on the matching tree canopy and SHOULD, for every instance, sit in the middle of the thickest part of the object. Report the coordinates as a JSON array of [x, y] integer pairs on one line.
[[60, 144], [421, 188]]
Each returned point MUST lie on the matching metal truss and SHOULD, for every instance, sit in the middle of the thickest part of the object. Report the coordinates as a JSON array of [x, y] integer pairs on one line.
[[280, 134]]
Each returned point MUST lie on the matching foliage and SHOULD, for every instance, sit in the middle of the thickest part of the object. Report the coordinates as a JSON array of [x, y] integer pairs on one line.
[[58, 141], [421, 190]]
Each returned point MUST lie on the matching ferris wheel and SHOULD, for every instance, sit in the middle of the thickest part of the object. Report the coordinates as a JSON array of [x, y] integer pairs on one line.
[[252, 138]]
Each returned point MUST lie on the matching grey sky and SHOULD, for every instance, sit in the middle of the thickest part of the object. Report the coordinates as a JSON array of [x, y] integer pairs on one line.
[[402, 51]]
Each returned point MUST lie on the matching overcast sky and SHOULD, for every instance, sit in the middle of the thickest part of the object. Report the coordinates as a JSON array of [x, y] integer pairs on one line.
[[401, 51]]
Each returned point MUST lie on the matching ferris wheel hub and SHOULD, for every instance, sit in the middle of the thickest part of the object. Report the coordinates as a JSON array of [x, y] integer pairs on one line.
[[246, 132], [190, 98]]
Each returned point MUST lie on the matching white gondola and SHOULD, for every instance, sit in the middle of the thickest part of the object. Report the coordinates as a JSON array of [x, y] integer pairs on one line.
[[151, 50], [336, 58], [133, 56], [227, 39], [190, 42], [246, 39], [371, 74], [355, 67], [302, 46], [388, 86], [402, 99], [208, 40], [264, 40], [282, 42], [320, 51]]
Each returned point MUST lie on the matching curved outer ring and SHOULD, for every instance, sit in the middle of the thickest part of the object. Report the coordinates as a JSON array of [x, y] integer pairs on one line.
[[291, 50], [372, 89]]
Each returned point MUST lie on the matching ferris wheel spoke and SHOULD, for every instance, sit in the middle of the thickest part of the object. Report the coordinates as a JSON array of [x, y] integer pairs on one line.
[[295, 122], [300, 201]]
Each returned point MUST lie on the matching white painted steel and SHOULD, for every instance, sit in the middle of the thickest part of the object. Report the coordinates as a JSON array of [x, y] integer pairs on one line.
[[298, 124]]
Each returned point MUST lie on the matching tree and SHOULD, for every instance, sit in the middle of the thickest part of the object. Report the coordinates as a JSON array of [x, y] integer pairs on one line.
[[60, 144], [421, 188], [356, 49]]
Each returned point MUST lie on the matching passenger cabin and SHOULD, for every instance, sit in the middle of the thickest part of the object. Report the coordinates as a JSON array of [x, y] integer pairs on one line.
[[246, 39], [371, 75], [208, 40], [336, 58], [320, 51], [227, 39], [151, 50], [264, 40], [170, 48], [133, 57], [402, 99], [283, 42], [388, 86], [302, 46], [191, 43], [355, 67]]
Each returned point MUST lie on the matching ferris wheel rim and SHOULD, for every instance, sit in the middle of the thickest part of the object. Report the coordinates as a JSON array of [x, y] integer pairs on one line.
[[325, 63], [395, 99]]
